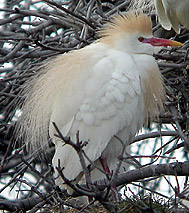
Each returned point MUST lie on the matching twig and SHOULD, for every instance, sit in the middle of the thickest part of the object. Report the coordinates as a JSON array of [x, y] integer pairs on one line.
[[71, 13], [154, 135]]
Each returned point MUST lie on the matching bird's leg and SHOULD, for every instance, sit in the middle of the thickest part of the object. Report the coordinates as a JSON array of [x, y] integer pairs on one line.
[[108, 175], [89, 168], [105, 167]]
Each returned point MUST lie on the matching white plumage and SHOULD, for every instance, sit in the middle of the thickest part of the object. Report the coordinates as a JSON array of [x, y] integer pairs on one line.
[[108, 88], [171, 13], [108, 93]]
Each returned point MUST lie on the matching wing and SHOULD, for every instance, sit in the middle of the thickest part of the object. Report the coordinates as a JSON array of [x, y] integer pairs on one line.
[[170, 9], [104, 100], [177, 13], [182, 11], [162, 14]]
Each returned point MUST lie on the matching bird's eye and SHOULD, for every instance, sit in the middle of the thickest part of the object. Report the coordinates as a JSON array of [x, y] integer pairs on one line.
[[141, 39]]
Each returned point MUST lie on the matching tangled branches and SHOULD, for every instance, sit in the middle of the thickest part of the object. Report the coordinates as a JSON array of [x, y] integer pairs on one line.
[[31, 32]]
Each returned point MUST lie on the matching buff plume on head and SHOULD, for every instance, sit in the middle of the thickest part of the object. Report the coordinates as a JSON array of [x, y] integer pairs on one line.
[[129, 23]]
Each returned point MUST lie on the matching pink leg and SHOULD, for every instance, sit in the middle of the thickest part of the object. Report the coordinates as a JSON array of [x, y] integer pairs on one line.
[[89, 198], [108, 174], [105, 166]]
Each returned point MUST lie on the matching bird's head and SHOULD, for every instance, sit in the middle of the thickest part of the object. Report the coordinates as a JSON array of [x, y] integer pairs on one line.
[[132, 33]]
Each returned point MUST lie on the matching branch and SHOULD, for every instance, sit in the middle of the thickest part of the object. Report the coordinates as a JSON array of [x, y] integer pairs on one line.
[[71, 13], [178, 168], [154, 135], [20, 205]]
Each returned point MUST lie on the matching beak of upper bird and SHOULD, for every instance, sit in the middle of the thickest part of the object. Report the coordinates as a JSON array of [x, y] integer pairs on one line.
[[160, 42]]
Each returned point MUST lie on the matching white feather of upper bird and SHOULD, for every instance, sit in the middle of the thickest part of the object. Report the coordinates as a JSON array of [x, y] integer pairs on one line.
[[171, 13], [108, 88]]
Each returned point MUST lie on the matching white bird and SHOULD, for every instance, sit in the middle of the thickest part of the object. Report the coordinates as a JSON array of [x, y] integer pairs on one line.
[[108, 88], [171, 13]]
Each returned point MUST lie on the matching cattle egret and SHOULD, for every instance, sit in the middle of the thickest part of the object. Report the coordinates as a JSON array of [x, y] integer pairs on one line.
[[110, 87]]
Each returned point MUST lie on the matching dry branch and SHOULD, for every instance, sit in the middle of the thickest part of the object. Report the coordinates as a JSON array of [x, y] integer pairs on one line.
[[30, 33]]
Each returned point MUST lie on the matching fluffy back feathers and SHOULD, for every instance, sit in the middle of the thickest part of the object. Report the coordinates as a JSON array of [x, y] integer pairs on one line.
[[40, 92]]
